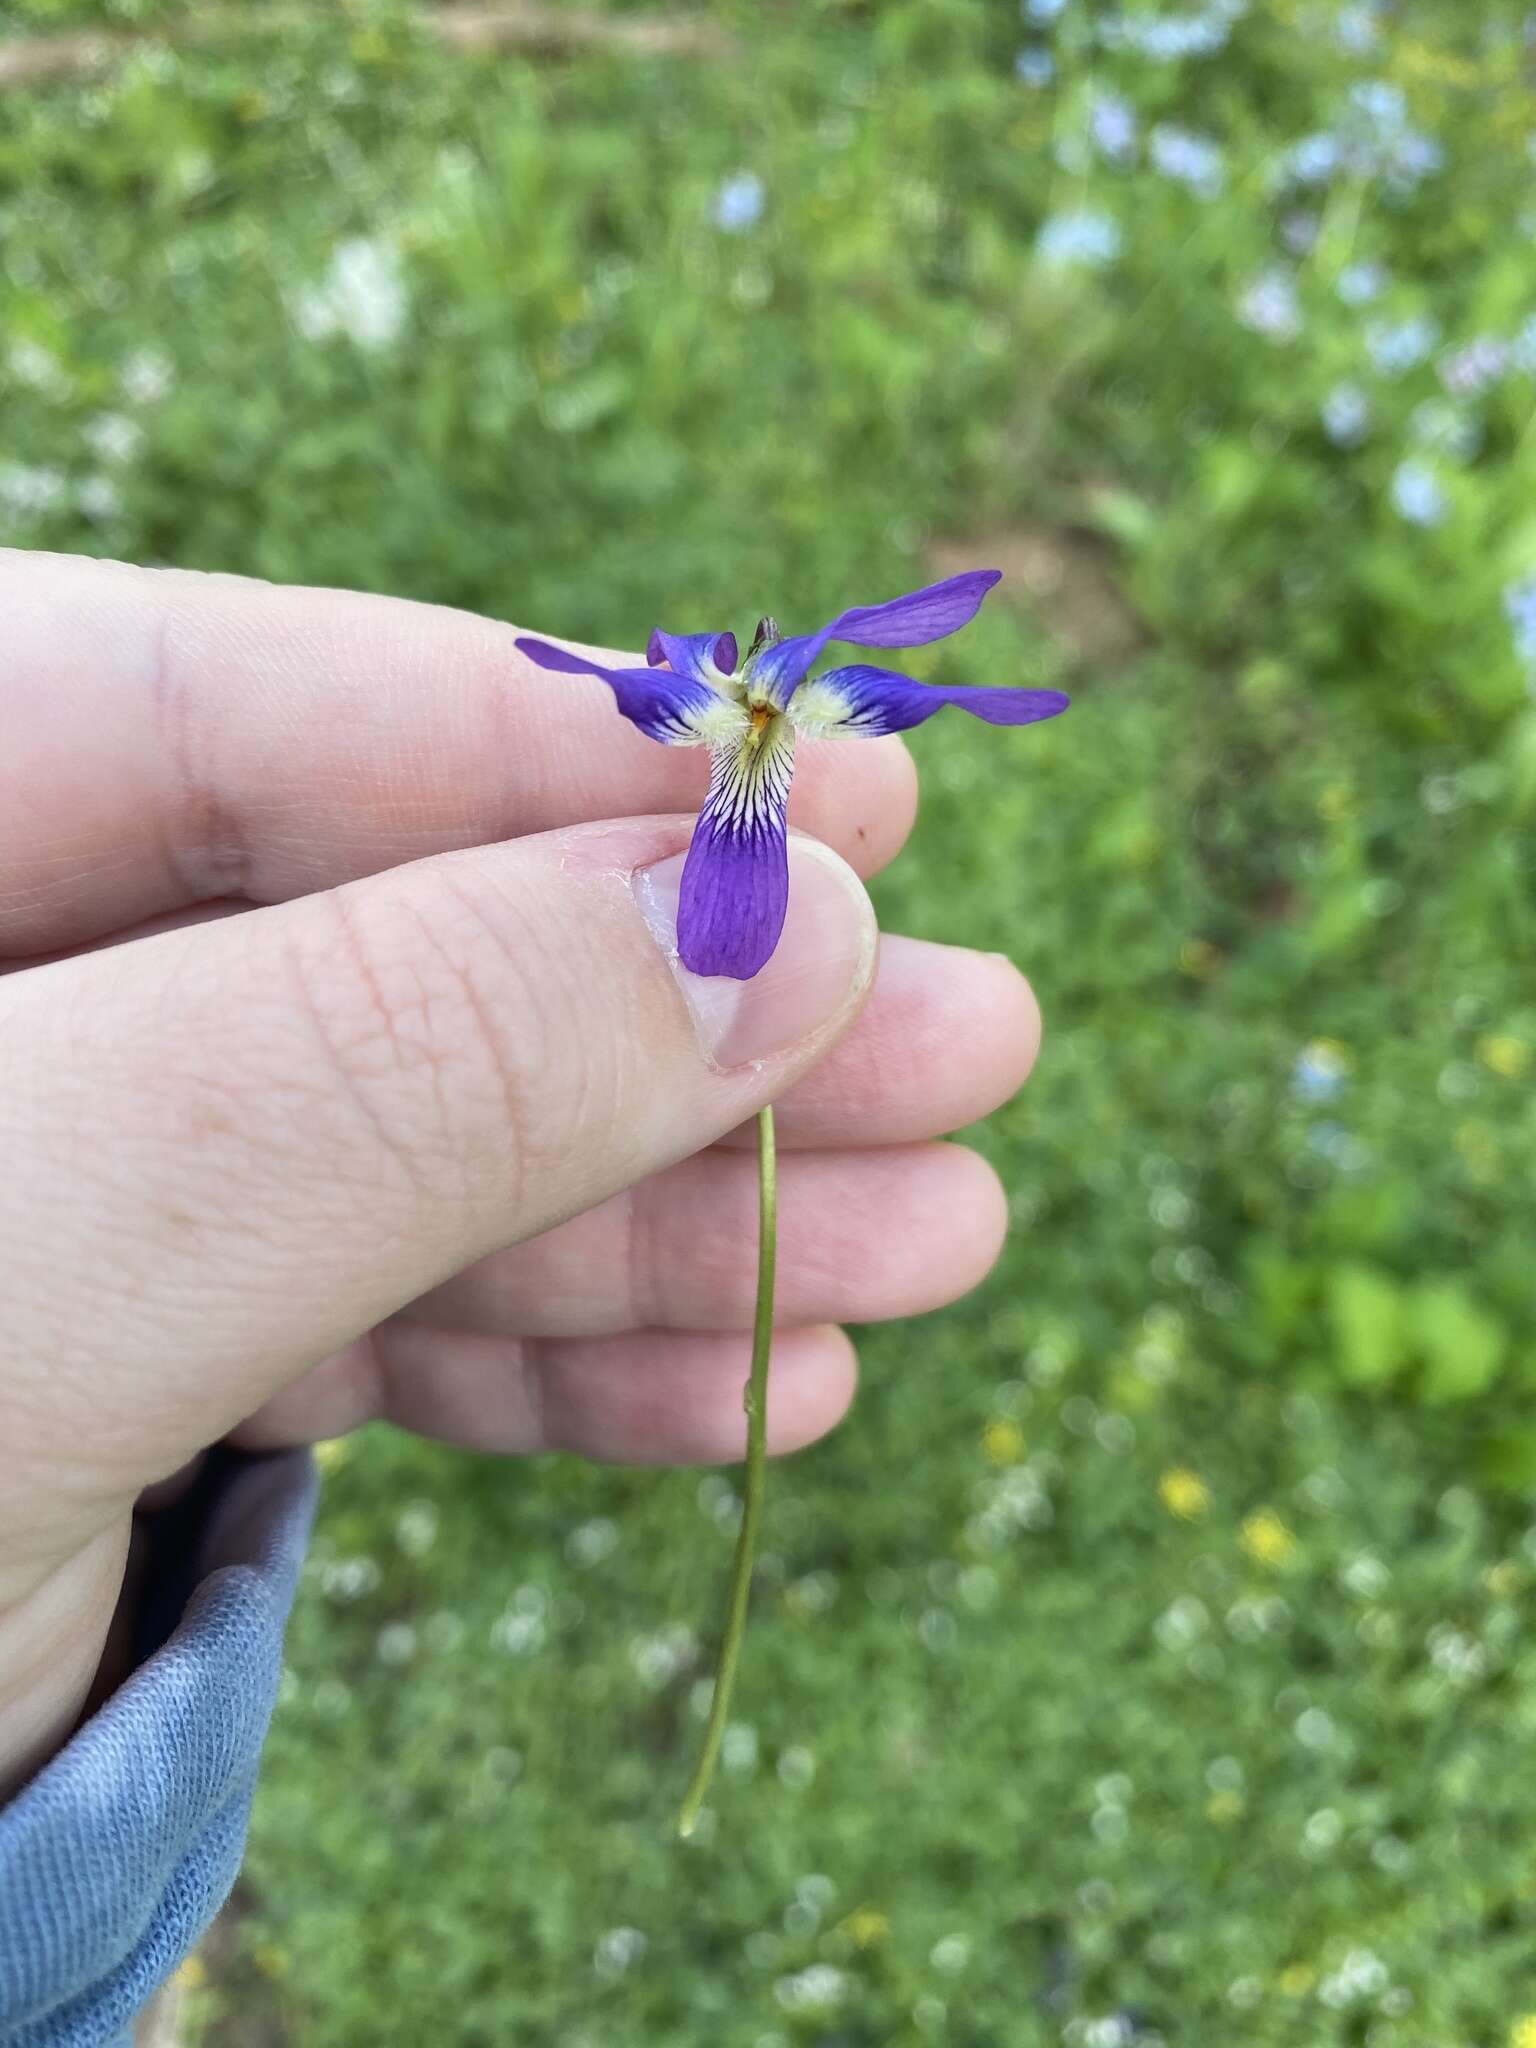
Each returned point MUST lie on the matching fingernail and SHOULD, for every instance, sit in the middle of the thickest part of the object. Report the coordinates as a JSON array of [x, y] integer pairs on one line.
[[822, 963]]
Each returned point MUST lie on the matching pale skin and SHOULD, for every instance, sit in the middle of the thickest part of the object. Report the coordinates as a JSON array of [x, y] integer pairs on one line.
[[343, 1076]]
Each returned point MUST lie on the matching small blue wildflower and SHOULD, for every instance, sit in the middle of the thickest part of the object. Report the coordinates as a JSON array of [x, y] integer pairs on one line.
[[1412, 157], [1469, 370], [1318, 1072], [1313, 160], [697, 691], [1445, 429], [1043, 10], [1520, 610], [1416, 494], [1346, 415], [739, 203], [1298, 231], [1034, 67], [1169, 38], [1359, 283], [1357, 30], [1382, 106], [1269, 306], [1379, 140], [1396, 346], [1112, 126], [1089, 239], [1187, 158], [1522, 350]]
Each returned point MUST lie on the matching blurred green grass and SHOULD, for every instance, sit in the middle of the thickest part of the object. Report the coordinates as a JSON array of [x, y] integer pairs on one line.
[[1145, 1659]]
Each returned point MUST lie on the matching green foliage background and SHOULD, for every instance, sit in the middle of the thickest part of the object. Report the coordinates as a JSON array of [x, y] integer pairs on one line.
[[1039, 1742]]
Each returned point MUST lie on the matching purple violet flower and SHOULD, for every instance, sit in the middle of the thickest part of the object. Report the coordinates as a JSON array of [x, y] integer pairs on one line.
[[1346, 415], [1469, 370], [735, 887], [1188, 159], [1111, 123], [1520, 610]]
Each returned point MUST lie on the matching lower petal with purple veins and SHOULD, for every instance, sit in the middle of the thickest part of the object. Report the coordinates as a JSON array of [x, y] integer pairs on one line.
[[735, 888], [864, 703]]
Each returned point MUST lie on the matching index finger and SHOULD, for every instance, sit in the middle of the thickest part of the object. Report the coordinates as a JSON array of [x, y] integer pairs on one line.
[[170, 737]]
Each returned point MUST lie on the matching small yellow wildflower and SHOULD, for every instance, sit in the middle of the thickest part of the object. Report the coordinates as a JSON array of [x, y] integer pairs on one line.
[[1199, 959], [1184, 1493], [332, 1452], [1297, 1979], [865, 1926], [271, 1960], [1266, 1538], [1224, 1807], [1523, 2033], [1337, 802], [1505, 1054], [1003, 1441], [191, 1975], [1503, 1582]]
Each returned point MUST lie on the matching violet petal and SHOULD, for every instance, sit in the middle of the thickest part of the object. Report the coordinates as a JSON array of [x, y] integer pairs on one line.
[[735, 886], [863, 702], [689, 654], [932, 613], [674, 709]]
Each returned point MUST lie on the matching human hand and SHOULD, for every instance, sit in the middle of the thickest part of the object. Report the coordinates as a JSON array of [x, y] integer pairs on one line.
[[347, 1073]]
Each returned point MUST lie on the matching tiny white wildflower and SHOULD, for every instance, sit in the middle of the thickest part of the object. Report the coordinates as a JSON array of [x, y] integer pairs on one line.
[[113, 437], [617, 1951], [146, 376], [362, 296]]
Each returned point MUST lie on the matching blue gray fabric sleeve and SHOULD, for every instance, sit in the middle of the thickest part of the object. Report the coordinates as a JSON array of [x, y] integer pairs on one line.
[[116, 1856]]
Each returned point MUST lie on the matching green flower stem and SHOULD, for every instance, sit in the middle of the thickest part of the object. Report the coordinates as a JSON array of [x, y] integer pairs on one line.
[[755, 1402]]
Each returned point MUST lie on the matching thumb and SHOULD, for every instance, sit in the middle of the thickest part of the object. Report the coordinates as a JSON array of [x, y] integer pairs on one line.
[[232, 1149]]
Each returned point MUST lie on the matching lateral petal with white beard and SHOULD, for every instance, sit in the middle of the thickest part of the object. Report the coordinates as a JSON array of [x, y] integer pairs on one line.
[[860, 702]]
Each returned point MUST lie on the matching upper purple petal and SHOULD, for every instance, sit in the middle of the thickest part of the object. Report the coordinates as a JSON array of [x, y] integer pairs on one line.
[[874, 701], [688, 653], [665, 706], [735, 886], [931, 613]]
